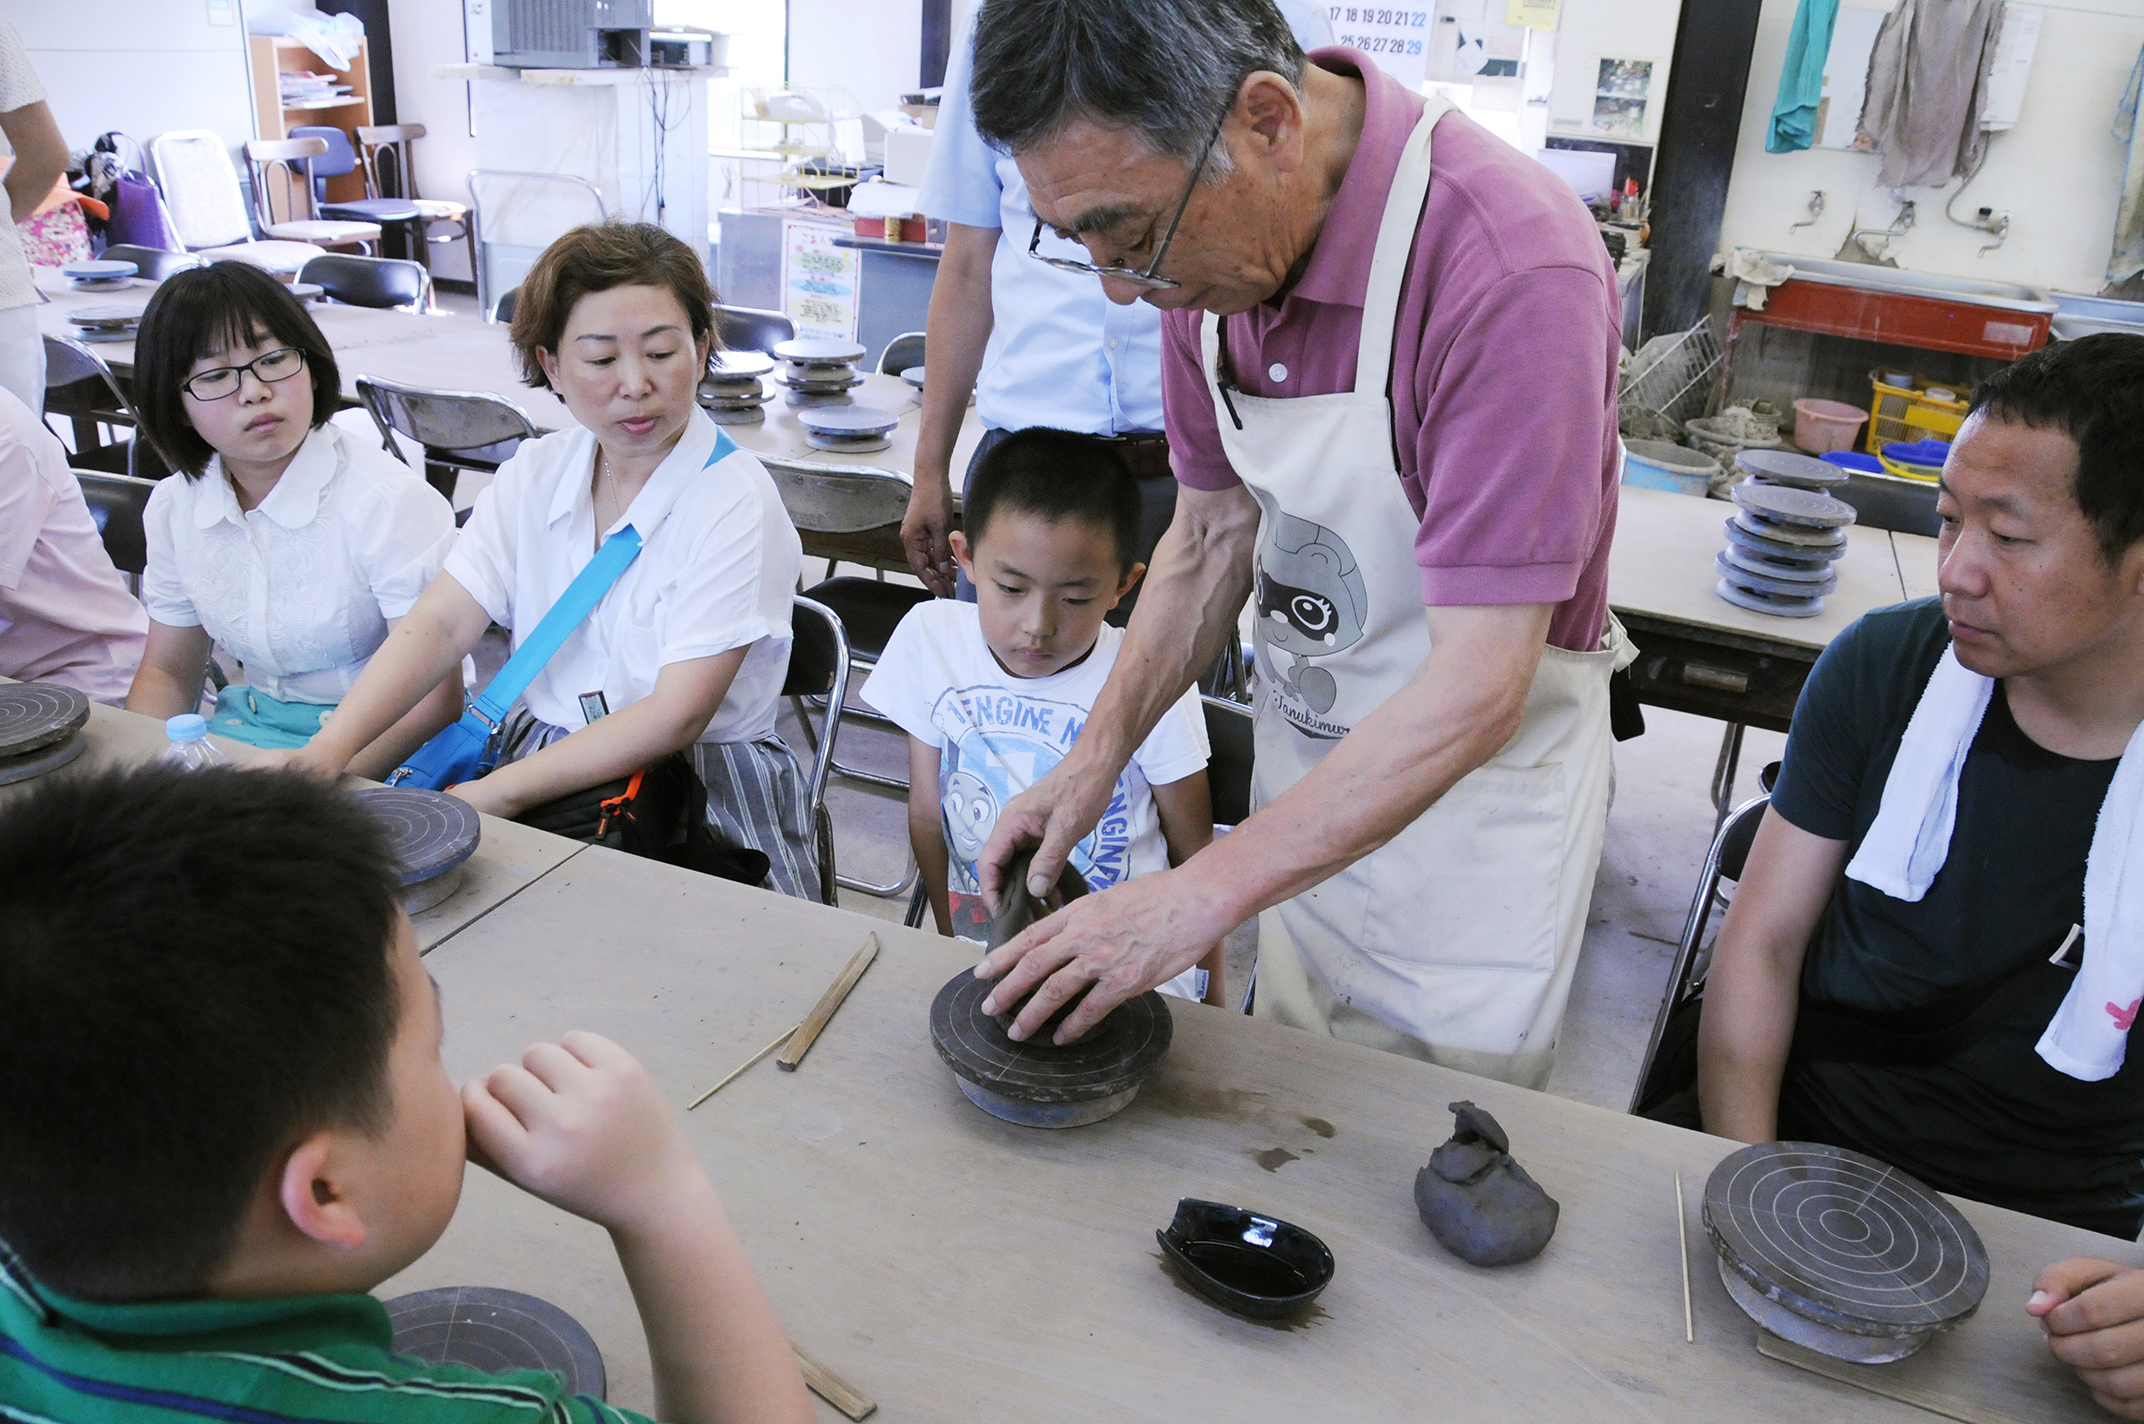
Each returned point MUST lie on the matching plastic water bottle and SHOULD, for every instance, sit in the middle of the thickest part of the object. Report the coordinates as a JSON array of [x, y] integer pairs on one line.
[[190, 747]]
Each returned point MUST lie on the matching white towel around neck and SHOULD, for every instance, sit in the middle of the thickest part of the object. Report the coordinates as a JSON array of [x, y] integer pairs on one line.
[[1910, 839]]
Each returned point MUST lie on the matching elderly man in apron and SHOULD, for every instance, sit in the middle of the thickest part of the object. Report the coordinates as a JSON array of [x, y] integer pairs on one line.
[[1388, 371]]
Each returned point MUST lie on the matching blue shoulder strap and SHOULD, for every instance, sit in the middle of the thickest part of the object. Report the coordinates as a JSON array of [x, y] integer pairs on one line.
[[490, 706]]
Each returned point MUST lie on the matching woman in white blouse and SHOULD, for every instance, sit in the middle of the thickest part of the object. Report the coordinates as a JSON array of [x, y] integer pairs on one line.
[[291, 544], [689, 648]]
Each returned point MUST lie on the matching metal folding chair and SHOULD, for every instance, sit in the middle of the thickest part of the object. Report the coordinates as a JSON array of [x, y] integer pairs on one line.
[[81, 386], [379, 282], [850, 499], [902, 352], [116, 503], [459, 430], [1693, 957], [384, 153], [284, 168], [152, 264], [752, 329], [819, 667]]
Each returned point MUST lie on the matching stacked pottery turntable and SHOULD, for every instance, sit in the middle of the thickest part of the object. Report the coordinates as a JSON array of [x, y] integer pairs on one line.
[[1035, 1083], [106, 323], [431, 835], [731, 392], [1839, 1253], [1785, 536], [819, 372], [103, 275], [40, 728], [496, 1330]]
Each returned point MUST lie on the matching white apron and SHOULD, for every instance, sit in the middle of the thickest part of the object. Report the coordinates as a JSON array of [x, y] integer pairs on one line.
[[1456, 941]]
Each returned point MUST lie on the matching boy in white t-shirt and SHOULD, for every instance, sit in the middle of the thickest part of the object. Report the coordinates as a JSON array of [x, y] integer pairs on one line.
[[993, 693]]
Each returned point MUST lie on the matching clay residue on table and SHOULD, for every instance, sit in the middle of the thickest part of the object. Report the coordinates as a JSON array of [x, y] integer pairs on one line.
[[1274, 1158]]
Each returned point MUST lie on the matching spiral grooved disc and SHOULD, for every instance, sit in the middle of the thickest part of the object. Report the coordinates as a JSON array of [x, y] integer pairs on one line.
[[1854, 1250], [430, 832], [37, 714], [1022, 1082], [495, 1331]]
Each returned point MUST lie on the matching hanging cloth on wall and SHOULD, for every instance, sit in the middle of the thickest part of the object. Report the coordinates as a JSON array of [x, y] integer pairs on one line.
[[2127, 259], [1801, 78], [1928, 81]]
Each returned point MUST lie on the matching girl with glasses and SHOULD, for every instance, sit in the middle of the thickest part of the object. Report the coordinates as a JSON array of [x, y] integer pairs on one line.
[[296, 547]]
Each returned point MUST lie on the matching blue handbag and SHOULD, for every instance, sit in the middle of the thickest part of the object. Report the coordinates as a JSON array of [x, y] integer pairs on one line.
[[470, 748]]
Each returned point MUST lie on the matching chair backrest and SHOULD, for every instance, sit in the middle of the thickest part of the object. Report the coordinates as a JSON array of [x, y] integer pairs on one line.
[[152, 263], [1889, 502], [282, 168], [902, 352], [334, 161], [1228, 767], [1725, 860], [68, 361], [818, 667], [752, 329], [839, 499], [384, 151], [369, 281], [443, 421], [116, 502], [502, 310], [200, 188], [525, 218]]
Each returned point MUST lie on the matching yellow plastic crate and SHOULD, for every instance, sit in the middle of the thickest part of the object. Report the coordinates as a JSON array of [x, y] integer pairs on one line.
[[1897, 413]]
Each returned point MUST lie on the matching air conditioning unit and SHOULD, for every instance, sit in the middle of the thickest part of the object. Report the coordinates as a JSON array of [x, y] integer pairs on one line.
[[560, 34]]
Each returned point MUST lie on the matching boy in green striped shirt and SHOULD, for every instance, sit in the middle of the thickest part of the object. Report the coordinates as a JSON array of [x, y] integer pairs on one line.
[[226, 1119]]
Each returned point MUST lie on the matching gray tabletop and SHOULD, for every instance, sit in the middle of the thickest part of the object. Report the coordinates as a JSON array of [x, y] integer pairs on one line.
[[958, 1268]]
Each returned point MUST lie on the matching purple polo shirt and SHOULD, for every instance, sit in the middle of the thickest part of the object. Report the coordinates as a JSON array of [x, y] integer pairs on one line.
[[1503, 372]]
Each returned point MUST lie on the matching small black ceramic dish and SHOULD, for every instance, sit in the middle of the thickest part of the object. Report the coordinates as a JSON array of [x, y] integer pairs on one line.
[[40, 728], [431, 835], [1256, 1266], [494, 1331]]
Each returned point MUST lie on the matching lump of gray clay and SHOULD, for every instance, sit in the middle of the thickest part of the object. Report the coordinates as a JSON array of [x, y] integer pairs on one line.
[[1477, 1201]]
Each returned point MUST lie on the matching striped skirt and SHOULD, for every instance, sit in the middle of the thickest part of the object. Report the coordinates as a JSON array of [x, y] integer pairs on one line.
[[755, 797]]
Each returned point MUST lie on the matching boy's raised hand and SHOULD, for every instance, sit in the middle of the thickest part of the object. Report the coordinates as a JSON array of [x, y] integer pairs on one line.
[[580, 1124]]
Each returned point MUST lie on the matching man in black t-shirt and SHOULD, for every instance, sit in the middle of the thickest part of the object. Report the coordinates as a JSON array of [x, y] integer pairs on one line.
[[1907, 1029]]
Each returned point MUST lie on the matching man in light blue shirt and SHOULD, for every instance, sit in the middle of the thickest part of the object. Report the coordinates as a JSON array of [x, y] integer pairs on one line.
[[1034, 345]]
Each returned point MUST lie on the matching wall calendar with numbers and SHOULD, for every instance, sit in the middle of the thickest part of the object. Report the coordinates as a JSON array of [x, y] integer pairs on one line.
[[1397, 39]]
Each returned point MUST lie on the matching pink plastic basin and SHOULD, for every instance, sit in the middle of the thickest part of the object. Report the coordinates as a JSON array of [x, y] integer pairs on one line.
[[1821, 425]]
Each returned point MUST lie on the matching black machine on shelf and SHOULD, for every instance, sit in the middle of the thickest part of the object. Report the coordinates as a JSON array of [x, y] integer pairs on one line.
[[560, 34]]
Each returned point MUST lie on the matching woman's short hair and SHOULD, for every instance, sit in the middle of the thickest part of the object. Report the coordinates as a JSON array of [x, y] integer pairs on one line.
[[220, 307], [596, 257]]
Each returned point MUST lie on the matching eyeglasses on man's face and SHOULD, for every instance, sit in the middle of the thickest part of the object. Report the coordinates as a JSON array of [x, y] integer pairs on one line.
[[223, 382], [1151, 278]]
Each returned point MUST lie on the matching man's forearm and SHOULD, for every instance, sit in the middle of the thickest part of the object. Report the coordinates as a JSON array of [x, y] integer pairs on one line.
[[1188, 606], [956, 333], [1460, 707], [1743, 1042]]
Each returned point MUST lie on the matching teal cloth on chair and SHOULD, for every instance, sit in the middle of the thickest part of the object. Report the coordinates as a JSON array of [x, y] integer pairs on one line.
[[1801, 78], [246, 714]]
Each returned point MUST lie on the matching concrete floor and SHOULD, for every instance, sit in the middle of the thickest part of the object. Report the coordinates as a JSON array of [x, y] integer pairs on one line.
[[1658, 831]]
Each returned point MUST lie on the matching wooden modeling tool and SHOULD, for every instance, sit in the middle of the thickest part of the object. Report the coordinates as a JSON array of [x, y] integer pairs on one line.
[[808, 1031], [833, 1389], [738, 1071], [1682, 1237]]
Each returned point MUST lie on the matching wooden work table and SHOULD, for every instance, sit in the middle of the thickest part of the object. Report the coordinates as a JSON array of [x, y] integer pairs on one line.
[[957, 1268], [509, 857]]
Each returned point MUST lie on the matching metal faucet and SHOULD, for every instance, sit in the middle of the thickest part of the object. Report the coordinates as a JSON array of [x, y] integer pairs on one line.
[[2001, 228], [1816, 210], [1900, 225]]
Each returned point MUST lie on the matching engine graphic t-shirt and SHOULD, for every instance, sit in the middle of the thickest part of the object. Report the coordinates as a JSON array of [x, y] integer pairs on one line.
[[998, 734]]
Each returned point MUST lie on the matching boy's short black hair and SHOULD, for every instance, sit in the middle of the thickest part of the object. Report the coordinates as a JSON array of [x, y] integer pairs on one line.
[[1056, 474], [219, 307], [194, 974], [2092, 390]]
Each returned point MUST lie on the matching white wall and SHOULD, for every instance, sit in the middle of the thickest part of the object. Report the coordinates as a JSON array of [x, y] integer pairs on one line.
[[425, 33], [2059, 172], [873, 49], [139, 66]]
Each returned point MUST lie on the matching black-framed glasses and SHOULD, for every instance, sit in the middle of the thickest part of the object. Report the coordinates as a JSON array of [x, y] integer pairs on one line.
[[1149, 278], [223, 382]]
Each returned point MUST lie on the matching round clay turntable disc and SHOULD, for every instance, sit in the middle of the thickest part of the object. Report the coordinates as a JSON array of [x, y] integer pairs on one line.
[[1038, 1084], [818, 351], [40, 728], [1783, 504], [431, 834], [739, 365], [1839, 1252], [494, 1331]]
